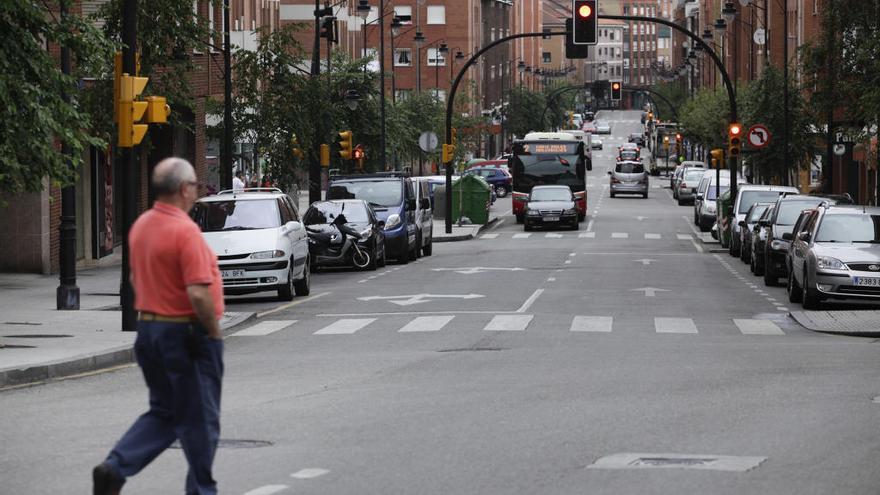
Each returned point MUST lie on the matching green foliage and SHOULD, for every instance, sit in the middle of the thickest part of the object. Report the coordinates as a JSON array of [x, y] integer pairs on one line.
[[675, 93], [38, 118], [525, 110], [704, 118]]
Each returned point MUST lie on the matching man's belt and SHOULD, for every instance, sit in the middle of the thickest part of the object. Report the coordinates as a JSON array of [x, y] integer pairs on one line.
[[144, 316]]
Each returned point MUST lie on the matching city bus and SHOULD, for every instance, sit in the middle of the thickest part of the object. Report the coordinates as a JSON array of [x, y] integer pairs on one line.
[[542, 159]]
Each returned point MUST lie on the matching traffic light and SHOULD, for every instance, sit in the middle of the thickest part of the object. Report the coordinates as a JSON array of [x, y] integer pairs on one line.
[[158, 110], [573, 51], [650, 116], [616, 90], [586, 15], [325, 155], [734, 139], [666, 141], [345, 145], [296, 150], [359, 156], [328, 29], [678, 139], [448, 152], [131, 111], [717, 157]]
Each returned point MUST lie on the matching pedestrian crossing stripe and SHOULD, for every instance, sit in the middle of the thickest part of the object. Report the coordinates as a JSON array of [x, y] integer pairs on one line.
[[509, 323], [264, 328], [345, 326], [426, 324], [587, 235]]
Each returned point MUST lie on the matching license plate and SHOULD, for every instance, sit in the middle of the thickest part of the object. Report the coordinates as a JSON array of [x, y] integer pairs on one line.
[[551, 219], [867, 281], [232, 273]]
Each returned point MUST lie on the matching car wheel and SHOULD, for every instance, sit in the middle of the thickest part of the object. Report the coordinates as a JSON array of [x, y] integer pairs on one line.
[[414, 253], [612, 194], [681, 202], [374, 253], [303, 286], [645, 196], [770, 277], [285, 292], [795, 293], [731, 248], [428, 250], [752, 267], [759, 264], [501, 191], [810, 295], [418, 247], [743, 253], [582, 217]]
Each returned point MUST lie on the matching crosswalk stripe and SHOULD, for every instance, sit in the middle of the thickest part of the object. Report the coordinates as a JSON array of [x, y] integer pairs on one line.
[[619, 235], [522, 236], [264, 328], [489, 236], [684, 237], [551, 235], [653, 236], [758, 327], [674, 325], [509, 323], [592, 324], [345, 326], [426, 324], [587, 235]]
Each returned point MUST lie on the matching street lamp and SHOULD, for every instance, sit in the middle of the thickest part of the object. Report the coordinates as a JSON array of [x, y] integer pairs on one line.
[[729, 12], [419, 41], [351, 99], [720, 25], [395, 26], [363, 9], [707, 35]]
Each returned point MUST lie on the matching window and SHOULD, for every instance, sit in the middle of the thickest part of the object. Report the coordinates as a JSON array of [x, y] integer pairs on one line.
[[402, 94], [439, 94], [403, 10], [402, 57], [435, 58], [612, 35], [436, 14], [546, 57]]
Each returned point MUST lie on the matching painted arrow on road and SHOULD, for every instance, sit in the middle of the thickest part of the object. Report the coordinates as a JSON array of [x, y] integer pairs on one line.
[[470, 270], [410, 299], [649, 291], [645, 261]]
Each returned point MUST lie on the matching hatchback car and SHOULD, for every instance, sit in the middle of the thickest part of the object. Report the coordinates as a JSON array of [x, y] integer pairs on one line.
[[837, 255], [551, 205], [260, 243], [686, 185], [596, 143], [603, 127], [498, 178], [629, 177], [589, 127], [628, 154]]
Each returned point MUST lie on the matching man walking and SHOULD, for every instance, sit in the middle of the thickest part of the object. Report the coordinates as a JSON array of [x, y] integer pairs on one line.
[[179, 347], [238, 181]]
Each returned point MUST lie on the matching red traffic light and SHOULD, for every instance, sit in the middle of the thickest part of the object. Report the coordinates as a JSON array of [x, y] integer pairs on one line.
[[735, 130], [584, 11], [616, 85], [678, 137], [358, 152]]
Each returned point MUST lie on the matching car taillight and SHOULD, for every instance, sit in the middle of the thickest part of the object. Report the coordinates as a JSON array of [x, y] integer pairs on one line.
[[615, 180], [683, 186]]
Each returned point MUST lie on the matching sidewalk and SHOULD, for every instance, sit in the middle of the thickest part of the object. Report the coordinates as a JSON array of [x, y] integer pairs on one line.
[[865, 323], [463, 233], [38, 342]]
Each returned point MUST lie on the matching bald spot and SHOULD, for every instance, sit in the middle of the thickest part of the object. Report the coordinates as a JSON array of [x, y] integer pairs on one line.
[[170, 174]]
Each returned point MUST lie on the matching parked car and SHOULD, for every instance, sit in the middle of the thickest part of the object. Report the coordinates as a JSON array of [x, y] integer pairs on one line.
[[746, 195], [629, 177], [746, 228], [596, 143], [260, 243], [672, 178], [705, 201], [788, 209], [687, 186], [497, 163], [343, 232], [589, 127], [424, 214], [681, 170], [637, 138], [836, 255], [499, 179], [602, 127], [759, 237], [551, 205], [392, 197]]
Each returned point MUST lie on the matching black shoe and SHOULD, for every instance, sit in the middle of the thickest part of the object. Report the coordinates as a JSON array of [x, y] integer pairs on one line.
[[105, 481]]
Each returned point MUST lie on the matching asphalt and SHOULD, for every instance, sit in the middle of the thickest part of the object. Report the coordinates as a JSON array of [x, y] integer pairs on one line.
[[505, 364]]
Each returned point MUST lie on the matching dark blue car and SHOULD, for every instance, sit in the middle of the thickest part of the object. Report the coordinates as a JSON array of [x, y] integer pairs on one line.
[[497, 177]]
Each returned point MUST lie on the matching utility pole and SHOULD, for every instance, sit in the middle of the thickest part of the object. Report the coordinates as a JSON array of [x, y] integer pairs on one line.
[[226, 167], [314, 163], [382, 156], [67, 294], [828, 166], [785, 96], [129, 170]]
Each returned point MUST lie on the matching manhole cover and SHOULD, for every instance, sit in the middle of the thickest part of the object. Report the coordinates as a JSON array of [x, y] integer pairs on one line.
[[37, 336], [230, 443], [473, 349], [16, 346]]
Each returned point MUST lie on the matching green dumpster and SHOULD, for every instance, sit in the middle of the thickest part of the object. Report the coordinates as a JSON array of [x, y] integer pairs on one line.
[[471, 195]]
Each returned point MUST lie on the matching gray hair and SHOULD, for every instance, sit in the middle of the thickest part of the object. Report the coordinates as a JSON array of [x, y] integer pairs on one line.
[[170, 174]]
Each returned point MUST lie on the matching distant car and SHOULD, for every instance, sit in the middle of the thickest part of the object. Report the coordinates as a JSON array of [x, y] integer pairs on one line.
[[638, 138], [629, 177], [684, 168], [672, 178], [551, 205], [687, 185], [589, 116], [259, 240], [630, 146], [602, 127], [746, 228], [837, 255], [589, 127], [629, 155], [497, 163], [497, 177], [596, 144]]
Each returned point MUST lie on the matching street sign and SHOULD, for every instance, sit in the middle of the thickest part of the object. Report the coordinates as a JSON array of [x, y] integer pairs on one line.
[[760, 36], [759, 136], [840, 149], [428, 141]]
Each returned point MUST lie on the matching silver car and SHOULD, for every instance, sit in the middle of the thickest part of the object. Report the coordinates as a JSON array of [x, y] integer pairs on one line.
[[679, 173], [687, 186], [602, 127], [836, 255], [629, 177]]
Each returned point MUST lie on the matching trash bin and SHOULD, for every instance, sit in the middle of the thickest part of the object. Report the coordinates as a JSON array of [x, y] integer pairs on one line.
[[471, 195]]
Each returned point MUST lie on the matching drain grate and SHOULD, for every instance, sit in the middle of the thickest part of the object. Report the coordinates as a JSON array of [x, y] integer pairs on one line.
[[38, 336], [231, 443], [474, 349], [678, 461]]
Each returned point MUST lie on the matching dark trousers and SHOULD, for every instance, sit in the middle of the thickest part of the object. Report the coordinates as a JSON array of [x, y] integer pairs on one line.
[[183, 369]]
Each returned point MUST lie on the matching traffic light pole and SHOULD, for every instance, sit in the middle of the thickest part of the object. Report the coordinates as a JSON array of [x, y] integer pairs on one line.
[[129, 170], [226, 167], [67, 293]]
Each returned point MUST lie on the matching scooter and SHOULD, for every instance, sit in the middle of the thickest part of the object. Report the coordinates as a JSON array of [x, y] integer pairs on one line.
[[337, 244]]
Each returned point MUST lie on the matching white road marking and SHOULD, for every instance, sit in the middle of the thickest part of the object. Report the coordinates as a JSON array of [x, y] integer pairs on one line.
[[653, 236], [587, 235], [291, 304], [308, 473], [674, 325], [345, 326], [619, 235], [531, 300], [567, 262], [757, 327], [572, 254], [522, 236], [264, 328], [551, 235], [684, 237], [426, 324], [509, 323], [781, 308], [551, 279], [267, 490], [592, 324], [590, 225], [489, 236]]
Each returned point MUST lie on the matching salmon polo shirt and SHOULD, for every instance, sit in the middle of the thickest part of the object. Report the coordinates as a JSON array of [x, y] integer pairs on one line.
[[167, 253]]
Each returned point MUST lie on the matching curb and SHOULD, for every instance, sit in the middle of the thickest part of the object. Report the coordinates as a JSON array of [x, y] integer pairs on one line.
[[465, 237], [800, 318], [84, 364]]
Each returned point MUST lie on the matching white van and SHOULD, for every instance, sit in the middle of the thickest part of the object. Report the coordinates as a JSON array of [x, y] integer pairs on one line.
[[587, 139]]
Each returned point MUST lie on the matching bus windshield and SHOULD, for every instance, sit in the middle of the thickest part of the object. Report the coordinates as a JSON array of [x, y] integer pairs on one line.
[[548, 163]]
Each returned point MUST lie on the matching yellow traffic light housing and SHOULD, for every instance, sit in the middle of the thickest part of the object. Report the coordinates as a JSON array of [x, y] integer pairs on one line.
[[345, 145], [717, 157], [448, 152], [734, 139], [131, 111], [158, 110], [325, 155]]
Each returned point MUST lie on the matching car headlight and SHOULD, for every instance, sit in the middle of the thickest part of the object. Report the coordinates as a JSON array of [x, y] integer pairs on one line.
[[829, 263], [393, 221], [778, 245], [571, 211], [534, 213], [264, 255], [366, 233]]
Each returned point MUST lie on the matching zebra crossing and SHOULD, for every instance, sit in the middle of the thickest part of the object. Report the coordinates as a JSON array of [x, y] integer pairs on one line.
[[510, 322], [647, 236]]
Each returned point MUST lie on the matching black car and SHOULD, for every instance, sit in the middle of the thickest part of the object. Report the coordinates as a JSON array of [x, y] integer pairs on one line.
[[321, 218], [638, 138], [551, 205], [747, 228], [758, 236]]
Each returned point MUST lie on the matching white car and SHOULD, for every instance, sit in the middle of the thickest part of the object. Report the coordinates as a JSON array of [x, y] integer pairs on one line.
[[259, 240]]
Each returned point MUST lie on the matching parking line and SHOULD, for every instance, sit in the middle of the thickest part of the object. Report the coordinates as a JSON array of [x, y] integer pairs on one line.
[[522, 235], [619, 235], [757, 327], [531, 300], [653, 236], [489, 236], [587, 235], [674, 325]]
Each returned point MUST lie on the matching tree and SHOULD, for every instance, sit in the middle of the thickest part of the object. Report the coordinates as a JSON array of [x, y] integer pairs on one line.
[[32, 86], [675, 93], [525, 110], [704, 118]]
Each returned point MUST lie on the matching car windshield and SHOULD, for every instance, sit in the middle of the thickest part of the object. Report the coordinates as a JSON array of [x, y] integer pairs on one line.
[[694, 176], [710, 193], [375, 192], [756, 213], [629, 154], [551, 194], [326, 212], [748, 198], [849, 228], [789, 211], [219, 216], [629, 168]]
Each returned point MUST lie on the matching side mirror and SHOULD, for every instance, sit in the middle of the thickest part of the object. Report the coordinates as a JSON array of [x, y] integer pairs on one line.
[[742, 223], [804, 236], [410, 204], [787, 236], [762, 223], [291, 227], [699, 197], [425, 204]]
